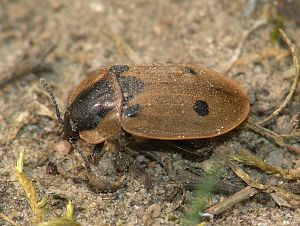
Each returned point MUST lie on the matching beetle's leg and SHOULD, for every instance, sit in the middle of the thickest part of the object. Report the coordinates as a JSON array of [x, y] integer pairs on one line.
[[228, 185], [110, 145], [85, 160], [97, 154], [176, 194], [99, 181]]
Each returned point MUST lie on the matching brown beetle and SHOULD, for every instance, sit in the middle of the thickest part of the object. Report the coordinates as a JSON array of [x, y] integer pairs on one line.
[[160, 101]]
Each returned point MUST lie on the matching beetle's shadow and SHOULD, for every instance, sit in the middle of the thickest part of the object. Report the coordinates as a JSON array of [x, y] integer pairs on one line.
[[193, 150], [128, 160]]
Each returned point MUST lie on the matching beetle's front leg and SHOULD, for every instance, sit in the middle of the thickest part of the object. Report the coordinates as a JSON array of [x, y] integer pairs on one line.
[[102, 175]]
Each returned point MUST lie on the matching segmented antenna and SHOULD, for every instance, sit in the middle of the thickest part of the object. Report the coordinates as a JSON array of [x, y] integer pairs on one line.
[[51, 95]]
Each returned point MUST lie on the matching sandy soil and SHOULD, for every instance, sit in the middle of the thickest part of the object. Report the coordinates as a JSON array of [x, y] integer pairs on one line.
[[195, 31]]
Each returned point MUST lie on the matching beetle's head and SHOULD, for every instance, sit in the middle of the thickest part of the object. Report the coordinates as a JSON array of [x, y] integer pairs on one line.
[[70, 130]]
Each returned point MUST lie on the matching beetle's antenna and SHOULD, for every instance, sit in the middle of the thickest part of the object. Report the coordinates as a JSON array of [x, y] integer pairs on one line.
[[51, 95]]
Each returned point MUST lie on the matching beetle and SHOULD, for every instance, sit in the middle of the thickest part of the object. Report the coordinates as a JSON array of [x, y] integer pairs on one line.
[[159, 101]]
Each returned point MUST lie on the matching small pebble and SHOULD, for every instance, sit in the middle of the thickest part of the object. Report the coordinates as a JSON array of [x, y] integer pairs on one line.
[[63, 148]]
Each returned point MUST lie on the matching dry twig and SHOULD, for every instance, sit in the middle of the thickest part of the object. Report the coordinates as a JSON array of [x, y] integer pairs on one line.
[[260, 55], [122, 46], [229, 202], [22, 67], [294, 84], [281, 196], [238, 50], [7, 219], [291, 136], [249, 159], [265, 132]]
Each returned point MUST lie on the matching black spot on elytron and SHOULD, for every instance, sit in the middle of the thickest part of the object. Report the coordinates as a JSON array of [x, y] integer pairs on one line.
[[201, 108], [91, 106], [190, 70], [131, 111], [130, 86], [118, 69]]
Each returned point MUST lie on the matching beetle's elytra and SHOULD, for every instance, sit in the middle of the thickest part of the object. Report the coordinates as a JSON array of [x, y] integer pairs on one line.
[[160, 101]]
